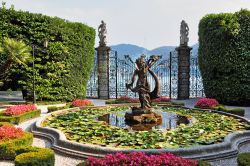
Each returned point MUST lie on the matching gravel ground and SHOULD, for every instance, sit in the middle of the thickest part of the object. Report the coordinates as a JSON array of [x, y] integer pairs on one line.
[[62, 160]]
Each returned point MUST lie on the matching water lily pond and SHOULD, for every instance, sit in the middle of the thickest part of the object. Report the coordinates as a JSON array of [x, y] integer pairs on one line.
[[83, 126]]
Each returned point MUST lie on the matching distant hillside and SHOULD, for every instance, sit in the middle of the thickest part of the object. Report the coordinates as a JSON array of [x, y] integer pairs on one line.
[[135, 51]]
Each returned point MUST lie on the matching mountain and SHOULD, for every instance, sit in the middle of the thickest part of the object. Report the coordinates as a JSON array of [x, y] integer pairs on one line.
[[135, 51]]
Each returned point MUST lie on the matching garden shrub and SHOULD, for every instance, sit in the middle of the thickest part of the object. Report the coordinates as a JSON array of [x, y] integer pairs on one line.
[[236, 111], [63, 70], [55, 108], [37, 157], [224, 57], [8, 147], [243, 159], [19, 109], [19, 118], [206, 103]]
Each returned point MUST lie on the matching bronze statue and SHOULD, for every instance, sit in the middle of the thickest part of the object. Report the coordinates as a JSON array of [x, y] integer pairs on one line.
[[142, 86]]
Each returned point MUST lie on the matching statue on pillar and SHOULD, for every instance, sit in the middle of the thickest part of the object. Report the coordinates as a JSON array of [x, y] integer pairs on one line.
[[102, 33], [184, 31]]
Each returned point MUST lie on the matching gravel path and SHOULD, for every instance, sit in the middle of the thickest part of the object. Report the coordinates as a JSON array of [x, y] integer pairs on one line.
[[62, 160]]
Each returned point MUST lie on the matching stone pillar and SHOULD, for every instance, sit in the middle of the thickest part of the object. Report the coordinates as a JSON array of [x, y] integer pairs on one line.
[[183, 72], [103, 71]]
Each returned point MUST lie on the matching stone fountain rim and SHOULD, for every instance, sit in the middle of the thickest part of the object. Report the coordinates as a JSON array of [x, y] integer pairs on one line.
[[226, 149]]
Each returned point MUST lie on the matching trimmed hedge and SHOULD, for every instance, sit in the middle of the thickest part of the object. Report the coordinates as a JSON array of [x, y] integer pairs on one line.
[[8, 148], [224, 49], [243, 159], [236, 111], [20, 118], [55, 108], [37, 157], [62, 72]]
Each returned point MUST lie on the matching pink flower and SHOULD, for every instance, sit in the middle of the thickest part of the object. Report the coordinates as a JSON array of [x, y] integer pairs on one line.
[[206, 103], [19, 109], [140, 159]]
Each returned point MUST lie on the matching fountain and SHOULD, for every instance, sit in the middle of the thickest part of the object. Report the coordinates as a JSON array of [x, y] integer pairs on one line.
[[144, 114]]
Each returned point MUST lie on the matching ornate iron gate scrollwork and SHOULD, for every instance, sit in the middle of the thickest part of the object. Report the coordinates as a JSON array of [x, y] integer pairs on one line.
[[92, 87], [121, 69]]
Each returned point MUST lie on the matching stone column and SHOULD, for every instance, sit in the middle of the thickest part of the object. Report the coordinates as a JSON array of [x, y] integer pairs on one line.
[[183, 71], [103, 71]]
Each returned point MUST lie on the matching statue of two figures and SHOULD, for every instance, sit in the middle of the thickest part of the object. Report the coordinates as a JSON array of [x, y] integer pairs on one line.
[[102, 33], [184, 31], [144, 113]]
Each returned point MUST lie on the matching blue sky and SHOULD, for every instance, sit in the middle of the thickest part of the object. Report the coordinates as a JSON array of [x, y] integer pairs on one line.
[[147, 23]]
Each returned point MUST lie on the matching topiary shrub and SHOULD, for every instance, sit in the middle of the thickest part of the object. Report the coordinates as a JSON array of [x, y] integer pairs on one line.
[[37, 157], [224, 51], [8, 147], [243, 159]]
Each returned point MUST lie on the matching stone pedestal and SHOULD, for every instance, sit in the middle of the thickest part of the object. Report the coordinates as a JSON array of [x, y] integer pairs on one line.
[[103, 71], [183, 72]]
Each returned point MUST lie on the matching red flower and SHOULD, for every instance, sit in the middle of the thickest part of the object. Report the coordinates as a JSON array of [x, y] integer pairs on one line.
[[140, 159], [19, 109], [10, 132], [82, 102], [206, 103]]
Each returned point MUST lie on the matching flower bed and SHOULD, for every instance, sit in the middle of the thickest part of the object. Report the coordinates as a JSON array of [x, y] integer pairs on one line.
[[19, 113], [82, 126], [140, 159], [82, 102], [19, 109], [214, 104], [206, 103], [10, 132]]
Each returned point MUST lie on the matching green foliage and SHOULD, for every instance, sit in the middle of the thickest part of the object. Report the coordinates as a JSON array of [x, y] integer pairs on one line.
[[55, 108], [203, 163], [224, 56], [37, 157], [236, 111], [207, 128], [8, 148], [19, 118], [62, 71], [243, 159]]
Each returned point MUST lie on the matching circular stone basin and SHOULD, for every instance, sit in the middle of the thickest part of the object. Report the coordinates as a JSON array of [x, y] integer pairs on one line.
[[169, 121]]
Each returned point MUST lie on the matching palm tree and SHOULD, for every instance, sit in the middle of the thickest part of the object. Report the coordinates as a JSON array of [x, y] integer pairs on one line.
[[13, 52]]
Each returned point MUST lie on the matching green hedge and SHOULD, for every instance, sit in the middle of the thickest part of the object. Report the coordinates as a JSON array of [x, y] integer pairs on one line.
[[243, 159], [55, 108], [8, 148], [63, 70], [224, 49], [236, 111], [36, 157], [20, 118]]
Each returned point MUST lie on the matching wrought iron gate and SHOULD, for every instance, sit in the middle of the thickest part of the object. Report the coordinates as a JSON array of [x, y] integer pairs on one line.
[[121, 69], [92, 87]]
